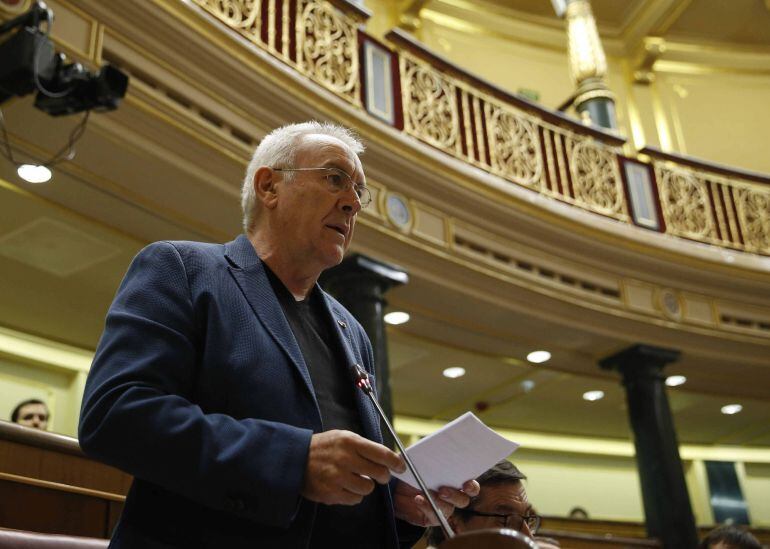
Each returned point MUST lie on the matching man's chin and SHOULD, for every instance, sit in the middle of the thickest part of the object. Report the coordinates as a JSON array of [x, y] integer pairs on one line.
[[334, 257]]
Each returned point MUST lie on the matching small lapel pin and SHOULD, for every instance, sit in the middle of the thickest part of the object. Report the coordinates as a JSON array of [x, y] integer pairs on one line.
[[342, 324]]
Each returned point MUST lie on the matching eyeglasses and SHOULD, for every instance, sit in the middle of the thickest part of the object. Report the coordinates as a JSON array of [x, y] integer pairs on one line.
[[337, 181], [510, 520]]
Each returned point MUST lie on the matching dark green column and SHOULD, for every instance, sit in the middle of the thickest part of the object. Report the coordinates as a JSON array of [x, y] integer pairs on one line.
[[599, 105], [666, 501], [360, 284]]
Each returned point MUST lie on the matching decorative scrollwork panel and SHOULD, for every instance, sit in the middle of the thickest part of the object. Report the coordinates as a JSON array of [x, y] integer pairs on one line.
[[685, 203], [514, 148], [753, 207], [596, 181], [430, 108], [328, 48]]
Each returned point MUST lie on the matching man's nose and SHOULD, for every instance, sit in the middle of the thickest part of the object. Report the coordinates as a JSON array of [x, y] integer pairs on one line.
[[349, 200]]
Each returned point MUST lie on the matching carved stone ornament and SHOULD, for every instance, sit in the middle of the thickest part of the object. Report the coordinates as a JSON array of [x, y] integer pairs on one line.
[[670, 304]]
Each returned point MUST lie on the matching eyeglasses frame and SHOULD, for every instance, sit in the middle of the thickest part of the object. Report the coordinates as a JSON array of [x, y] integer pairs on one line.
[[365, 198], [507, 517]]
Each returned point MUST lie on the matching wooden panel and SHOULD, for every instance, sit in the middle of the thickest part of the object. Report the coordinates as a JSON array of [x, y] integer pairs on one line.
[[597, 527], [44, 510], [569, 540], [54, 487], [29, 461]]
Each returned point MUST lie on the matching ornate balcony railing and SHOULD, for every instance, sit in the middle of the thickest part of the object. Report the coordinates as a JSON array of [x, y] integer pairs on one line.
[[713, 204], [317, 39], [545, 151], [507, 136]]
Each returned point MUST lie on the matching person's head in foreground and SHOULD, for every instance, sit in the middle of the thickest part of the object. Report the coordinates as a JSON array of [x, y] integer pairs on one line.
[[31, 413], [729, 537], [501, 503]]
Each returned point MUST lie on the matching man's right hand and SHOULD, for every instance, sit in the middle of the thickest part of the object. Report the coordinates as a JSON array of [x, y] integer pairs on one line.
[[343, 466]]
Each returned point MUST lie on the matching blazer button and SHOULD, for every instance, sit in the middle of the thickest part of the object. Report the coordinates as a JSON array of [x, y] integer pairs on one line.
[[342, 324]]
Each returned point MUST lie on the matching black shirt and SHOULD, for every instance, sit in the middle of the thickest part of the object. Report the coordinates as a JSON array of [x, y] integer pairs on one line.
[[362, 525]]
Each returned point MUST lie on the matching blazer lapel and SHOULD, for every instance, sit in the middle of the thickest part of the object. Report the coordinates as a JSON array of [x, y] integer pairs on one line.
[[370, 420], [249, 273]]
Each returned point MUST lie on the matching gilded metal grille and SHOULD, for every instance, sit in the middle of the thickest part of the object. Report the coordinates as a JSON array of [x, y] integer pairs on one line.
[[469, 124], [312, 36]]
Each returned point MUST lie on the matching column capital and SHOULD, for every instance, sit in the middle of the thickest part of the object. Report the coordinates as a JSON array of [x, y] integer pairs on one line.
[[639, 357], [360, 266]]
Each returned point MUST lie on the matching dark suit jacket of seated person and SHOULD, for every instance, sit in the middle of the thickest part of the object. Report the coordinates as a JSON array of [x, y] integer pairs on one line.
[[221, 381]]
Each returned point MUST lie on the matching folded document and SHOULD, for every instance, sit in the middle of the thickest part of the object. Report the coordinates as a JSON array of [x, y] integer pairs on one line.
[[459, 451]]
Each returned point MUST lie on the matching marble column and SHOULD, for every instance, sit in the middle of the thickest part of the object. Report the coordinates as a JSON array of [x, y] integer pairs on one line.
[[360, 284], [667, 506]]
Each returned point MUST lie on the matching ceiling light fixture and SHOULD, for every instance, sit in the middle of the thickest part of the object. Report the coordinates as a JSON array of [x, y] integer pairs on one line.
[[675, 381], [397, 317], [454, 372], [731, 409], [32, 173], [538, 357], [593, 395]]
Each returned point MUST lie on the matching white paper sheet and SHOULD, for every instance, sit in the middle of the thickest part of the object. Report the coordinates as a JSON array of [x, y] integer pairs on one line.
[[459, 451]]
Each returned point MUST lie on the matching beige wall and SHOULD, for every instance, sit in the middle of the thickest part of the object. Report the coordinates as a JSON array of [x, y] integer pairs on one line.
[[756, 486], [508, 64], [606, 486], [721, 117]]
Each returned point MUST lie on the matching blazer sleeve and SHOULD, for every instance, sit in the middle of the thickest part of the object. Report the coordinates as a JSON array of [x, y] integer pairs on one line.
[[137, 413]]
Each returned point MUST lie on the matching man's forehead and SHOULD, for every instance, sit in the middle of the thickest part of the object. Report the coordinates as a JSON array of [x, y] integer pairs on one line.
[[321, 144], [509, 492]]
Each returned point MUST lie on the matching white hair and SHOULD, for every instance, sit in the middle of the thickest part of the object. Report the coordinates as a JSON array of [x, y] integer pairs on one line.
[[279, 149]]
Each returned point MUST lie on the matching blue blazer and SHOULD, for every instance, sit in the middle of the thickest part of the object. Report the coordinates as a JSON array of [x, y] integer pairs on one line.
[[199, 390]]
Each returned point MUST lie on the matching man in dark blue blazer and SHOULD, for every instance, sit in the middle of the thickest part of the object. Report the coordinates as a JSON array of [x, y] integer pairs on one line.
[[222, 383]]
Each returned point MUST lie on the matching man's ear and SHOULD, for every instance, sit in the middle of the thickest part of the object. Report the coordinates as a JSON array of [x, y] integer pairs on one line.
[[264, 187]]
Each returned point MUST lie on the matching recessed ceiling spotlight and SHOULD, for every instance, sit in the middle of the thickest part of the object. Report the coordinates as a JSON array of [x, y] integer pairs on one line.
[[675, 381], [593, 395], [397, 317], [538, 357], [731, 409], [453, 372], [34, 174]]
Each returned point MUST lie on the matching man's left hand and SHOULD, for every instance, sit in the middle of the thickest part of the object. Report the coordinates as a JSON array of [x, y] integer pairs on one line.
[[411, 506]]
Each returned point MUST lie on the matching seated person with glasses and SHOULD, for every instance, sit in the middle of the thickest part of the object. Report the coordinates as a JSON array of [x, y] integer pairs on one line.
[[501, 503]]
